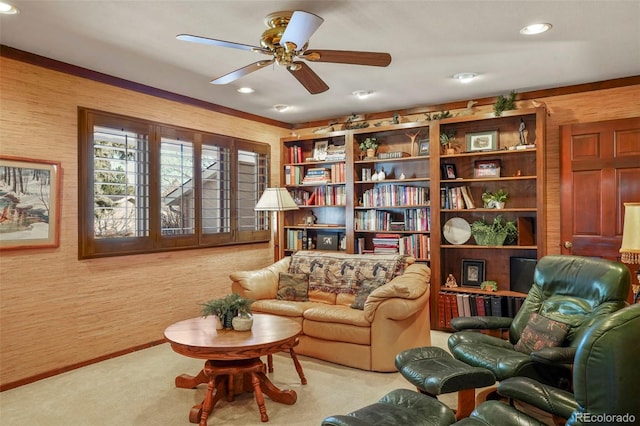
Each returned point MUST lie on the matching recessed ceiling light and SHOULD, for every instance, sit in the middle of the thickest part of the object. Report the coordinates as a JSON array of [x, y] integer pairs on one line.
[[246, 90], [281, 107], [465, 77], [535, 29], [361, 94], [7, 9]]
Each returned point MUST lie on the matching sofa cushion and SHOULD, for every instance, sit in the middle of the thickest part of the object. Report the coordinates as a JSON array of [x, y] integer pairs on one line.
[[294, 287], [282, 307], [336, 314], [322, 297], [541, 332], [365, 290], [344, 273]]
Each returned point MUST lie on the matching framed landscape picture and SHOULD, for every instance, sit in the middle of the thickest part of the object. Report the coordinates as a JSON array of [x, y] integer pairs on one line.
[[29, 203], [482, 141]]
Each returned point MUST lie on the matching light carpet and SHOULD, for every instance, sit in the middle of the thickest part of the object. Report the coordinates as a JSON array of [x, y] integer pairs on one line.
[[138, 389]]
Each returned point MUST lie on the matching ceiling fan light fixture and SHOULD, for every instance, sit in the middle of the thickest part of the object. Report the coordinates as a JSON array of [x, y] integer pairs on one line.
[[534, 29], [299, 29], [8, 9], [281, 107], [362, 94], [465, 77], [246, 90]]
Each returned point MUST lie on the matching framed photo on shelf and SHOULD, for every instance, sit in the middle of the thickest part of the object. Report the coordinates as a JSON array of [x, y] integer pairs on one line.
[[30, 212], [473, 272], [423, 147], [486, 168], [482, 141], [327, 241], [320, 150], [449, 171]]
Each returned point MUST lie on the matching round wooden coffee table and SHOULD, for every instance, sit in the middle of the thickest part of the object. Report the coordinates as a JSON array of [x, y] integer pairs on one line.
[[233, 359]]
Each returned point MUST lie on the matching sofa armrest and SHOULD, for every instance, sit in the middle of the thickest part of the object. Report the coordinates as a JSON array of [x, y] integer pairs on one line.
[[555, 355], [405, 288], [261, 283]]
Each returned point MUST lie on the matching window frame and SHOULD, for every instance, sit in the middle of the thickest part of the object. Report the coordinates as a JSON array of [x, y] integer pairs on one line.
[[155, 241]]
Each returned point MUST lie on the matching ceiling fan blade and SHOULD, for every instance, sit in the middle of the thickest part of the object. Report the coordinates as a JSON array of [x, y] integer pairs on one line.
[[308, 78], [241, 72], [299, 29], [214, 42], [348, 57]]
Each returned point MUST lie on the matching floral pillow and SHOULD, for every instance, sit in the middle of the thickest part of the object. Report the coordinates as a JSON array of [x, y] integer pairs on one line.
[[293, 287], [541, 332], [366, 288]]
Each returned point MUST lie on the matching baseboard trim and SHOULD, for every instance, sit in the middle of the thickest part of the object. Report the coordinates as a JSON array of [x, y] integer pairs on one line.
[[55, 372]]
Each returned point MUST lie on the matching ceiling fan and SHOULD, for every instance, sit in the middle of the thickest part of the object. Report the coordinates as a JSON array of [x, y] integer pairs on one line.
[[286, 41]]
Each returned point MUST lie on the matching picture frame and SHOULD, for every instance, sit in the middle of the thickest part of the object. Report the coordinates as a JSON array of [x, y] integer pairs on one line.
[[449, 171], [29, 217], [327, 241], [482, 141], [486, 168], [320, 150], [423, 147], [473, 272]]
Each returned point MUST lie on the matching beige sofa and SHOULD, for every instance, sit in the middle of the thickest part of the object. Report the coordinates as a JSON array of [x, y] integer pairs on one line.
[[395, 315]]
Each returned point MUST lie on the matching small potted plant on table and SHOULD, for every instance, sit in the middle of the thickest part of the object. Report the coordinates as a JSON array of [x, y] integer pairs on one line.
[[228, 308]]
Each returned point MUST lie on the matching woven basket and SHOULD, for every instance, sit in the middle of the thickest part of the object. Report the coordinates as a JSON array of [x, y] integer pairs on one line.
[[490, 239]]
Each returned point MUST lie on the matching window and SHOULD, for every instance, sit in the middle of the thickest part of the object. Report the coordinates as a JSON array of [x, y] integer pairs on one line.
[[147, 187]]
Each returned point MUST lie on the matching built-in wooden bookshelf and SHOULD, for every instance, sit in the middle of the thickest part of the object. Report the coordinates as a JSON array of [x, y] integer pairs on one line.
[[406, 210]]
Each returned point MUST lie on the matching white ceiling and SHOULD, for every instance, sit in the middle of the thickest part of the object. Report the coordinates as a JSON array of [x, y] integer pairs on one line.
[[428, 40]]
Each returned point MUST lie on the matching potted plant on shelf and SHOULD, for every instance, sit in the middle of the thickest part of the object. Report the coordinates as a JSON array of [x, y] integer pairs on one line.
[[369, 145], [228, 308], [447, 139], [495, 233], [495, 200]]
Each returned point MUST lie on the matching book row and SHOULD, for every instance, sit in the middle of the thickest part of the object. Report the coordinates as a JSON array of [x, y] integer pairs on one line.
[[299, 175], [414, 245], [454, 304], [395, 195], [413, 219], [320, 196], [456, 197]]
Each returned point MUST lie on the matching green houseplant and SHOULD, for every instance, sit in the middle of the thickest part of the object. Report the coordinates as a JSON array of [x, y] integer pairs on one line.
[[447, 139], [495, 200], [227, 308], [369, 145], [495, 233]]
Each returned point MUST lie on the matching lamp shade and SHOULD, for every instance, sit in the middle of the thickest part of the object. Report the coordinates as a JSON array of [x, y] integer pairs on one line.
[[630, 249], [299, 29], [275, 200]]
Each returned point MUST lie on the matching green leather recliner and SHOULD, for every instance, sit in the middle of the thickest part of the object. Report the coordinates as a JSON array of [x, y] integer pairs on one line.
[[605, 378], [569, 289]]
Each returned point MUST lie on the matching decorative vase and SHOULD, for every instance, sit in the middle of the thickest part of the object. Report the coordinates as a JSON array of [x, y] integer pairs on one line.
[[242, 323], [382, 175], [371, 153], [499, 204]]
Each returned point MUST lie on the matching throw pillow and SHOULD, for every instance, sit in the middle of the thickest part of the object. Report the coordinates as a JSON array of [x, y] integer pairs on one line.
[[366, 288], [541, 332], [294, 287]]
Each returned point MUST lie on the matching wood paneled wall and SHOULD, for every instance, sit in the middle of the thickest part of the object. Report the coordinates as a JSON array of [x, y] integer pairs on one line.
[[57, 311]]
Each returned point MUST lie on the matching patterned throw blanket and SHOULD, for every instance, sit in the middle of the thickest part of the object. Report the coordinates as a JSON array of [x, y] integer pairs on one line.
[[345, 273]]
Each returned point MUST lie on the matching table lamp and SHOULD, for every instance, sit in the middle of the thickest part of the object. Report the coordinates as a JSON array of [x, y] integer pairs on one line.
[[630, 249], [276, 200]]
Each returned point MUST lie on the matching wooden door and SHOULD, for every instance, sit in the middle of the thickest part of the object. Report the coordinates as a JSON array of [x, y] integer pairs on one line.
[[599, 172]]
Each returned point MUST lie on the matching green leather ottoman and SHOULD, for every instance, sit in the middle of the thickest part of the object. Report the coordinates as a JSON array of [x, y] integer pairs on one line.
[[433, 371]]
